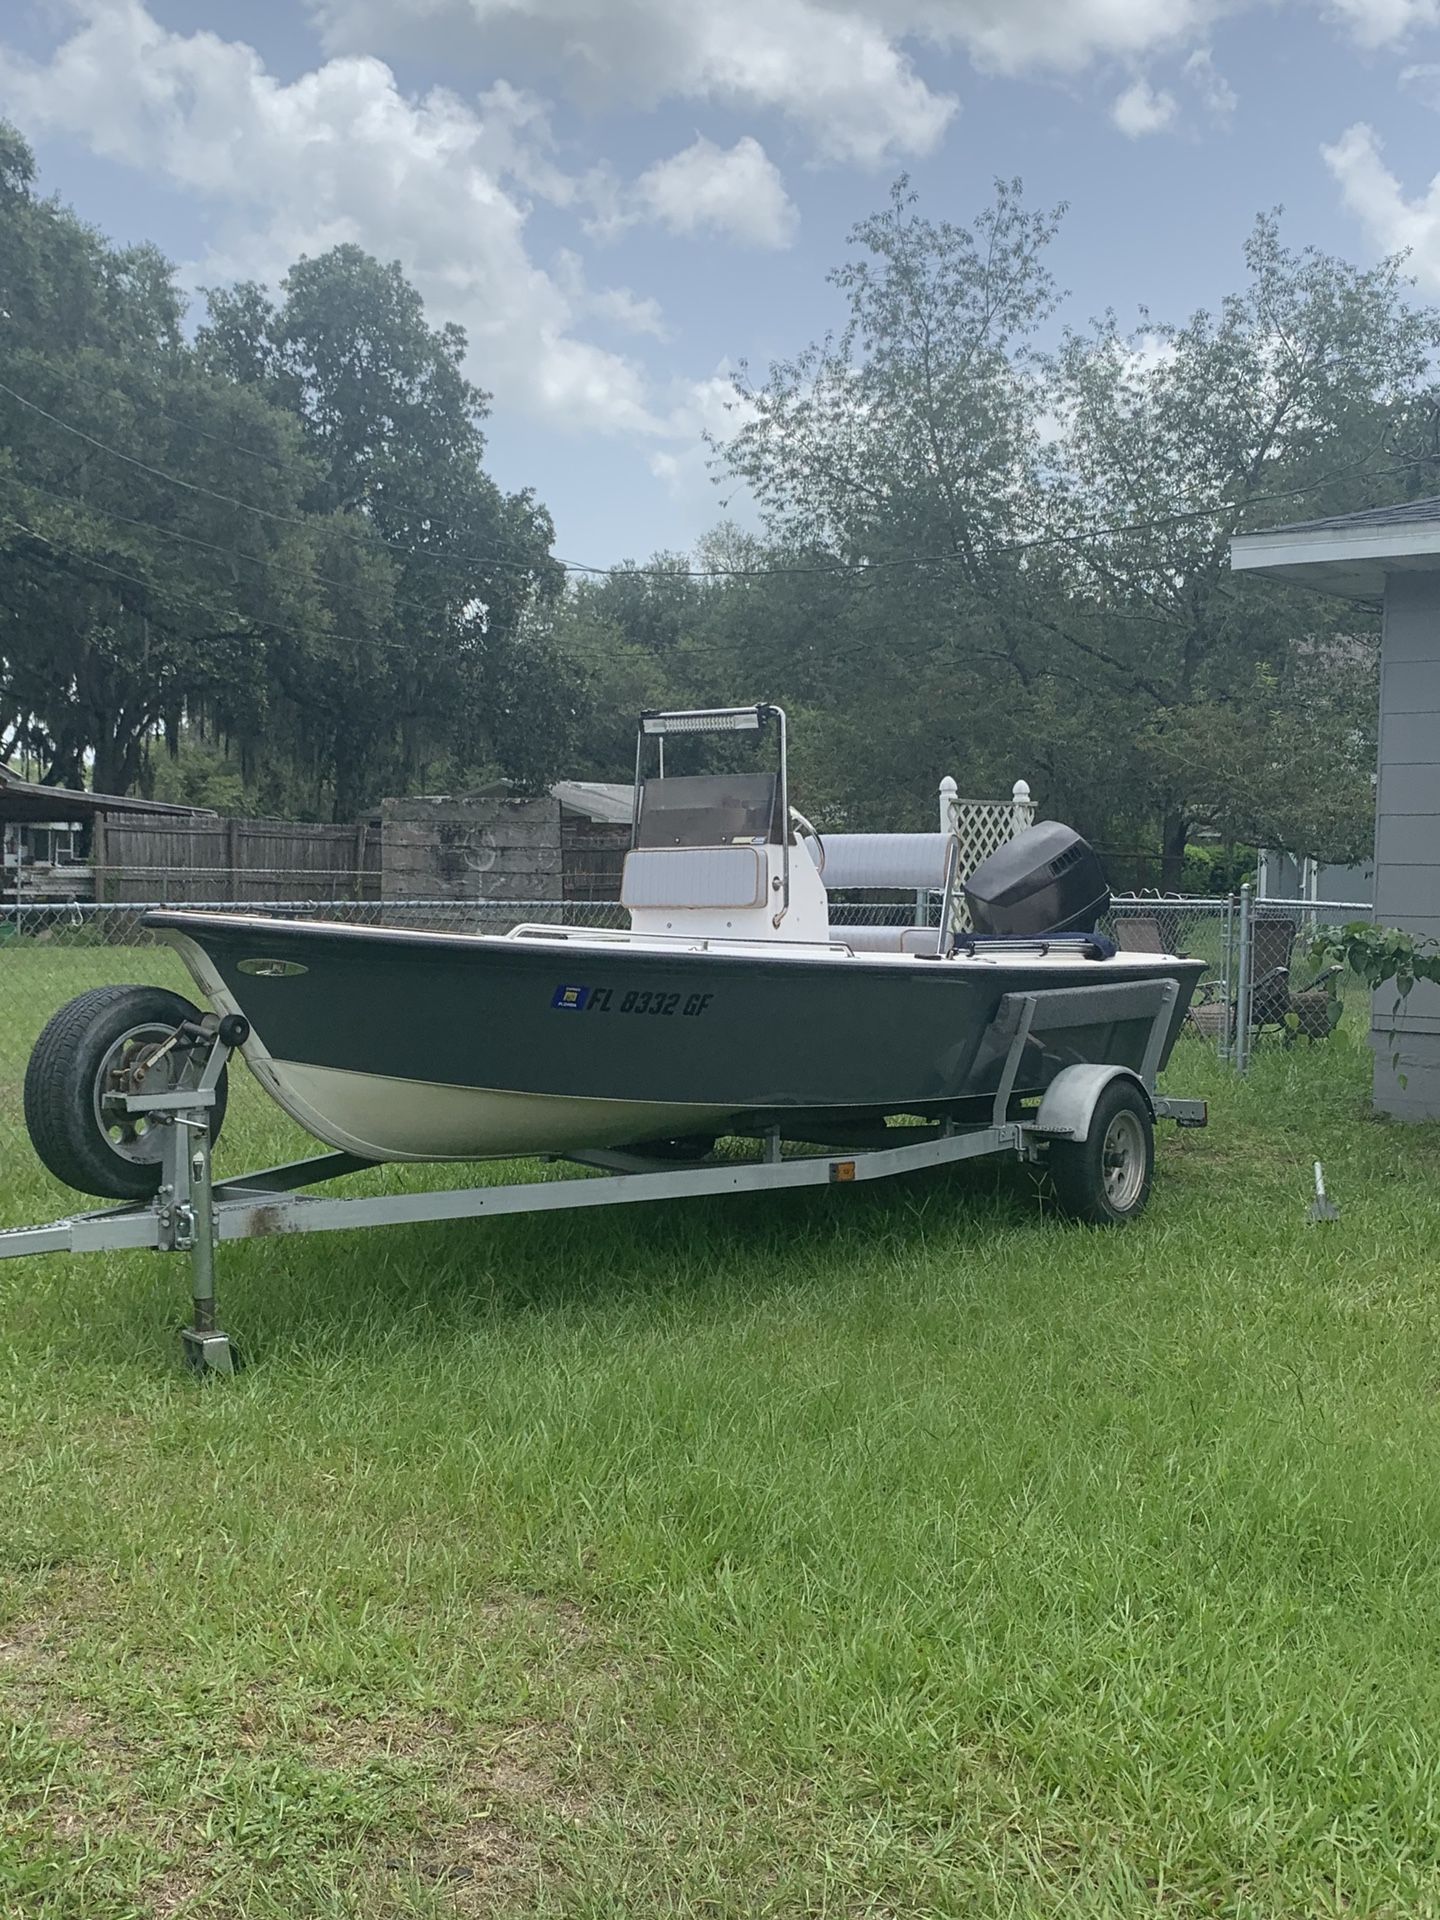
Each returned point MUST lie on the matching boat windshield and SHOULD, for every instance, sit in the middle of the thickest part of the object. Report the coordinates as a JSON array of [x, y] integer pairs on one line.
[[708, 810]]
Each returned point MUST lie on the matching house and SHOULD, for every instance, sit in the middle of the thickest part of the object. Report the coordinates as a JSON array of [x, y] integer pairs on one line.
[[1289, 876], [1389, 557], [596, 817], [51, 835]]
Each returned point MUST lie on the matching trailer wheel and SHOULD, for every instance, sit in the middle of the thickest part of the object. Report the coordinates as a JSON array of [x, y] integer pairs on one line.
[[89, 1046], [1105, 1178]]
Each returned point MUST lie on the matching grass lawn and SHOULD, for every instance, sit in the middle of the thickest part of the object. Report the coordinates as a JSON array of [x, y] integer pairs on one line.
[[893, 1550]]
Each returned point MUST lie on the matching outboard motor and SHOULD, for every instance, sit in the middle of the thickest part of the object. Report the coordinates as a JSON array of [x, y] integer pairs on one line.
[[1046, 880]]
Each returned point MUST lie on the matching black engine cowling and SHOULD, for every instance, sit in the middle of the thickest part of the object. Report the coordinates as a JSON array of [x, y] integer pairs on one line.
[[1046, 880]]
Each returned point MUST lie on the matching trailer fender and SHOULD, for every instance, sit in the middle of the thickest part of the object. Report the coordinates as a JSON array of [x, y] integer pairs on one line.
[[1069, 1102]]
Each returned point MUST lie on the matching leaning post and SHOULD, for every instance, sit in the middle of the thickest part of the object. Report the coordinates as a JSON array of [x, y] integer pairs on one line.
[[1244, 983], [948, 825]]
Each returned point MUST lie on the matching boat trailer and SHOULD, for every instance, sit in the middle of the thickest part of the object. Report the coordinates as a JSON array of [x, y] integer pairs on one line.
[[192, 1212]]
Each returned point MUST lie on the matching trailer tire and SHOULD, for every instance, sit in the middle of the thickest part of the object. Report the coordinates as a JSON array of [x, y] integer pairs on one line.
[[71, 1061], [1104, 1180]]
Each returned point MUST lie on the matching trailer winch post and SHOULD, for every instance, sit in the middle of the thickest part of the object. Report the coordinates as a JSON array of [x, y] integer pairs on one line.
[[185, 1203], [207, 1347]]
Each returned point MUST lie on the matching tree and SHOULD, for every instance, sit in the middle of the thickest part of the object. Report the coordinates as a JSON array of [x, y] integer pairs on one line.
[[897, 466], [1003, 563], [394, 431], [1240, 705], [281, 536], [130, 588]]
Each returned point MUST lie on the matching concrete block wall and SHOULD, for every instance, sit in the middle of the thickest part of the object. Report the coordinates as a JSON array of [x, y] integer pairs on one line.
[[444, 847]]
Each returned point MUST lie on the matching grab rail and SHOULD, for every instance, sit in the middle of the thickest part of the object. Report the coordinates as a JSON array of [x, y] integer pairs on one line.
[[538, 929]]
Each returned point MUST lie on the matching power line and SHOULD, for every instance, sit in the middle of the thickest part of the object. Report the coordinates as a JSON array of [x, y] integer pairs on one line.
[[1060, 539], [478, 560], [186, 426], [192, 603], [207, 546], [569, 647], [1151, 524], [310, 522]]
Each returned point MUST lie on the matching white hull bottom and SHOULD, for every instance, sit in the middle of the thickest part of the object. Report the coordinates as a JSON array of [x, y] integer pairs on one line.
[[378, 1118]]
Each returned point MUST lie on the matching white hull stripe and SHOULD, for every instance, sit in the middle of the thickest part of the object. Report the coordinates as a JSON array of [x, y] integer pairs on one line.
[[379, 1118]]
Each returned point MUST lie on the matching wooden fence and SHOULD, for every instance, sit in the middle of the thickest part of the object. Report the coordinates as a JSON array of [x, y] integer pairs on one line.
[[203, 859]]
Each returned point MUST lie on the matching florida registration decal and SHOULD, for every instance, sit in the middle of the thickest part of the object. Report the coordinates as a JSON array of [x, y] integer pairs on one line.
[[689, 1006]]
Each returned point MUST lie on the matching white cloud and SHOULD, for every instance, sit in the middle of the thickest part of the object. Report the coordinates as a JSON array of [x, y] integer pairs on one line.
[[1140, 109], [1380, 23], [1374, 195], [1217, 96], [763, 50], [842, 71], [834, 70], [736, 191], [340, 154], [702, 411], [632, 312], [1424, 81], [618, 306], [1145, 353]]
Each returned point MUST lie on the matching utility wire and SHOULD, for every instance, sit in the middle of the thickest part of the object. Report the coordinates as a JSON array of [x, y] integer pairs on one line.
[[306, 575], [1073, 540], [186, 426], [569, 647], [190, 603], [193, 604], [309, 522]]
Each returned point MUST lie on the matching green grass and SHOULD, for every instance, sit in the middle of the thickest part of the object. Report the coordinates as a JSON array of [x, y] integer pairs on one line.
[[892, 1551]]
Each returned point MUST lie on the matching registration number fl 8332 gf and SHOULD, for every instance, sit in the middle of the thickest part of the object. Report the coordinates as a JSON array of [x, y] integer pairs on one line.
[[639, 1000]]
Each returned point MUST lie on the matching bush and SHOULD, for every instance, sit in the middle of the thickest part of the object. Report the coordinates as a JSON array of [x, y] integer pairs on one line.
[[1212, 872]]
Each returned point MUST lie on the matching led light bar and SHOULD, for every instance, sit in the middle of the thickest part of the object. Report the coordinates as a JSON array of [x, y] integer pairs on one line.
[[705, 720]]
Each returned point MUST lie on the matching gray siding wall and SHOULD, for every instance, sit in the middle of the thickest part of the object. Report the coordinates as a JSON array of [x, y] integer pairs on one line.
[[1282, 873], [1407, 838], [1419, 1068]]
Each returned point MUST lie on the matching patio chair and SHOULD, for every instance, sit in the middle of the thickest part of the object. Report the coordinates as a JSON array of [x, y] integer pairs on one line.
[[1138, 933], [1311, 1012]]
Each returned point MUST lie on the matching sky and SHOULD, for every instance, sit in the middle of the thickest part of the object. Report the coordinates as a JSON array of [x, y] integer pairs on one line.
[[625, 201]]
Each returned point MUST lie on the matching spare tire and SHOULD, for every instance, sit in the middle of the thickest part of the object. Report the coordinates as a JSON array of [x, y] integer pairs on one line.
[[88, 1041]]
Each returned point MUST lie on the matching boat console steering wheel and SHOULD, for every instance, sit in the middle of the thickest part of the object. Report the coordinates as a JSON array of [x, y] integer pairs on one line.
[[806, 831]]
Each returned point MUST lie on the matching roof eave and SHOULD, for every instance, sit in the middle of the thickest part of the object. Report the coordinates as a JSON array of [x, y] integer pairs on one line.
[[1352, 562], [27, 800]]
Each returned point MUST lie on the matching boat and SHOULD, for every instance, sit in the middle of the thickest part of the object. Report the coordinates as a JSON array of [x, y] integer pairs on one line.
[[731, 1004]]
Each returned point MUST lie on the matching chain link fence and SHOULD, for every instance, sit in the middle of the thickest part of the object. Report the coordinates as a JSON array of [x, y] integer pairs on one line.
[[1257, 956], [1264, 981]]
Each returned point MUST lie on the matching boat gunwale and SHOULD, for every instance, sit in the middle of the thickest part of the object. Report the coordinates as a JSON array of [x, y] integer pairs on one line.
[[676, 947]]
